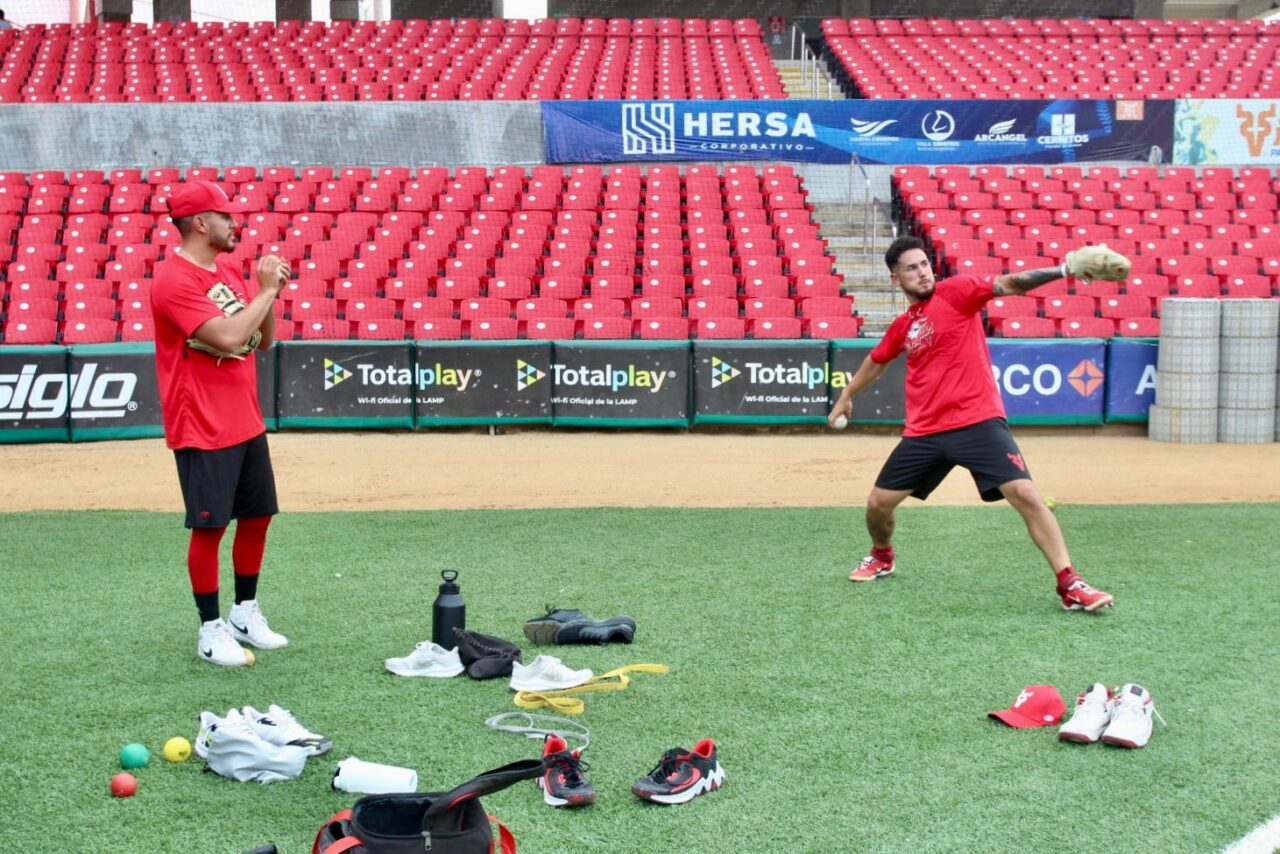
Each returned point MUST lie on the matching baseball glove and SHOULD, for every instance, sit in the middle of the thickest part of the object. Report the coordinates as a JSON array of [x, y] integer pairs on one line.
[[1097, 262], [238, 353]]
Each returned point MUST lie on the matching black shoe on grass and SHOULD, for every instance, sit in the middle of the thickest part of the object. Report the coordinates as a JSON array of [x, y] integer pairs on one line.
[[561, 626]]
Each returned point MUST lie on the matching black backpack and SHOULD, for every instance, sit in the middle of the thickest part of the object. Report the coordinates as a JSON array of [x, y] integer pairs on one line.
[[452, 822]]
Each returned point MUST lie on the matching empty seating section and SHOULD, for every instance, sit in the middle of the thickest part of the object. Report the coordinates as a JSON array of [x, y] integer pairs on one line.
[[1055, 58], [434, 253], [464, 59], [1212, 232]]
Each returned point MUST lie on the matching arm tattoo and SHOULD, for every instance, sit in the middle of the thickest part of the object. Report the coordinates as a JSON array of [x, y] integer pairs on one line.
[[1020, 283]]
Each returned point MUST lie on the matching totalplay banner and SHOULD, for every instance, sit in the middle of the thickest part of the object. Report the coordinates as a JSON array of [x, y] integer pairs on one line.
[[885, 400], [483, 382], [776, 382], [878, 131], [621, 383], [349, 384]]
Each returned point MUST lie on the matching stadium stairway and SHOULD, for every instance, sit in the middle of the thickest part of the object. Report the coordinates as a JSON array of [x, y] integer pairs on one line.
[[858, 242], [797, 76]]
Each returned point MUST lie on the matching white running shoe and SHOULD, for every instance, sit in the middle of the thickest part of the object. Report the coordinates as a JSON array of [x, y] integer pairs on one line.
[[277, 726], [209, 723], [234, 749], [248, 625], [1131, 719], [427, 659], [216, 644], [1092, 714], [545, 673]]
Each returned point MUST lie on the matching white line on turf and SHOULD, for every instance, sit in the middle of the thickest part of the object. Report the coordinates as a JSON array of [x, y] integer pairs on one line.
[[1263, 839]]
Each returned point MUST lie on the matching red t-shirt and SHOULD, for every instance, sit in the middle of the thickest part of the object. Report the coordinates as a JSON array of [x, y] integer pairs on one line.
[[207, 402], [949, 379]]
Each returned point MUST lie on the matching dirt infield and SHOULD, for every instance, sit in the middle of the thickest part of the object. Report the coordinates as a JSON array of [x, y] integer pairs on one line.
[[423, 471]]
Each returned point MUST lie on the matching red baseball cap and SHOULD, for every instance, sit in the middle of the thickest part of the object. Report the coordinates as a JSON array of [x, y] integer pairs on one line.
[[196, 197], [1035, 705]]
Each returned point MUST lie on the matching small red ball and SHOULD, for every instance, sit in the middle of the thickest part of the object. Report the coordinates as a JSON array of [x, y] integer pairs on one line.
[[124, 785]]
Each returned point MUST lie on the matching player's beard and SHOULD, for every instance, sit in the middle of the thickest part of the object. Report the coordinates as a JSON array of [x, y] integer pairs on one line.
[[226, 243], [917, 296]]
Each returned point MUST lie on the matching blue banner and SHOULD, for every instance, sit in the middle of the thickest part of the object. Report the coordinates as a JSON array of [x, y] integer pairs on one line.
[[880, 131], [1131, 378], [1050, 381]]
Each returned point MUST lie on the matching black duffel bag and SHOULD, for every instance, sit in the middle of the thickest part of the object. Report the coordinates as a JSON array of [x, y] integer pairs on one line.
[[452, 822]]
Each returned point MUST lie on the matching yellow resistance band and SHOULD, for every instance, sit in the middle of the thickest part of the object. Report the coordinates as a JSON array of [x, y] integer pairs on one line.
[[614, 680]]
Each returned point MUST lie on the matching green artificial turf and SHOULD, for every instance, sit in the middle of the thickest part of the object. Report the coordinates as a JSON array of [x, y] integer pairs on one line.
[[848, 717]]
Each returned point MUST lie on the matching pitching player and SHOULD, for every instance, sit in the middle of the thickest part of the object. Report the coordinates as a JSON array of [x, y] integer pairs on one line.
[[955, 416], [208, 327]]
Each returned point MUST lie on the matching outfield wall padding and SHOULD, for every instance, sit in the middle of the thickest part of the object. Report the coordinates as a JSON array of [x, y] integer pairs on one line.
[[108, 391]]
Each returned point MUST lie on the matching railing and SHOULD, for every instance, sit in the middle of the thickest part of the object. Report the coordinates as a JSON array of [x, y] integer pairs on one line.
[[809, 63]]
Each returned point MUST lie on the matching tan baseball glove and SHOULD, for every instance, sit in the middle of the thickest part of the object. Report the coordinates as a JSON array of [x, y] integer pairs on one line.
[[1097, 262]]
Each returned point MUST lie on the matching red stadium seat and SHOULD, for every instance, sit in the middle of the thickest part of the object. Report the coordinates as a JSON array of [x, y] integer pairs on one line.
[[1028, 327], [1087, 327]]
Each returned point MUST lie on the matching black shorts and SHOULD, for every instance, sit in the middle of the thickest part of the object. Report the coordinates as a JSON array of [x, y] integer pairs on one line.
[[229, 483], [986, 449]]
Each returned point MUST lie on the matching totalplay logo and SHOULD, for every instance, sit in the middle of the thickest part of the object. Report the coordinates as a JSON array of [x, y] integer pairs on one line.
[[612, 377], [527, 374], [422, 376]]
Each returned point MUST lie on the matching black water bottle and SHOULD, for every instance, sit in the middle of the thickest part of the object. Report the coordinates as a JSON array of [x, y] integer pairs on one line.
[[449, 611]]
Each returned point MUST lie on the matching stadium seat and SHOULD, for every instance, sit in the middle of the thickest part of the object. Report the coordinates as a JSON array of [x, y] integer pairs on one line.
[[1087, 327]]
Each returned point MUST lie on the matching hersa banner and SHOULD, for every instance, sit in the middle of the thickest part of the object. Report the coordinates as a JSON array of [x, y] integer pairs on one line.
[[878, 131]]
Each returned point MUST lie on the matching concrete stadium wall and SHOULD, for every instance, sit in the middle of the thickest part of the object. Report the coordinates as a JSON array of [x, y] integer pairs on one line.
[[102, 136], [444, 133]]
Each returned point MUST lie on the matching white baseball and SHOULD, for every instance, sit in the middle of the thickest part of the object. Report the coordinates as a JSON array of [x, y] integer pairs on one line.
[[841, 422]]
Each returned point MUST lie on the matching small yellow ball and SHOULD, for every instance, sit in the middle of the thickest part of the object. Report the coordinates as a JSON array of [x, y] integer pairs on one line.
[[1051, 504], [177, 749], [249, 657]]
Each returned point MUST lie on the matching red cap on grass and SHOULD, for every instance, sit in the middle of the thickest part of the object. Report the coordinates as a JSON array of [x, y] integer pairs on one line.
[[197, 197], [1035, 705]]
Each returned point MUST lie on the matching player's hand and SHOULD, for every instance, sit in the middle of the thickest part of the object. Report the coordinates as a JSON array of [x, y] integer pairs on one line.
[[842, 409], [1097, 262], [273, 273]]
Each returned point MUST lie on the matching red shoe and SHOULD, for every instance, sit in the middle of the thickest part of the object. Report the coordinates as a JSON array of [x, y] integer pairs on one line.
[[871, 568], [1081, 597], [563, 784]]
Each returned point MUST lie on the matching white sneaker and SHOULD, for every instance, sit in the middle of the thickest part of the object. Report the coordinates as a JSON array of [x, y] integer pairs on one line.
[[248, 625], [1092, 714], [427, 659], [217, 645], [1131, 719], [232, 748], [209, 723], [545, 673], [277, 726]]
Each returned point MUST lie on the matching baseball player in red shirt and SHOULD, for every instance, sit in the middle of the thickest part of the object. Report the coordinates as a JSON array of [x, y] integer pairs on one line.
[[209, 325], [955, 416]]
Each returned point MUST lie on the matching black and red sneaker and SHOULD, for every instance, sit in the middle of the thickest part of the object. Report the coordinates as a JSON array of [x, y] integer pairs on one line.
[[563, 784], [682, 775]]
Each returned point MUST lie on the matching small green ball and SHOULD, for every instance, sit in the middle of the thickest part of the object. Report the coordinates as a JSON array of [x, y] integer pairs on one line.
[[134, 756]]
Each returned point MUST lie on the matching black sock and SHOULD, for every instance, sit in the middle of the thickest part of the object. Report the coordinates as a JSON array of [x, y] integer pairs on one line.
[[207, 605], [246, 587]]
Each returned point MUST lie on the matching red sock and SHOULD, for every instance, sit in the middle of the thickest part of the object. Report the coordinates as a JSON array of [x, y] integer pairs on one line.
[[1066, 577], [247, 549], [202, 559], [885, 554]]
